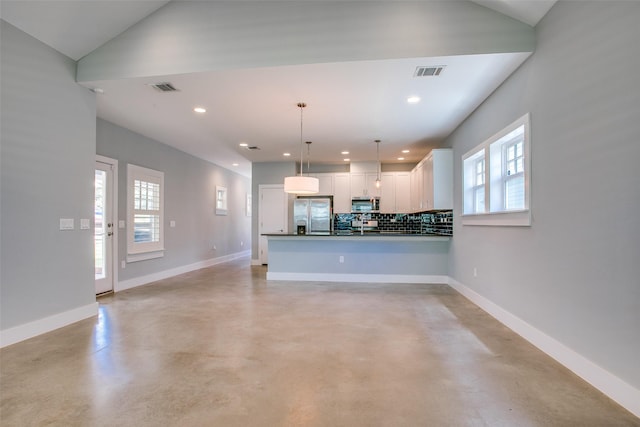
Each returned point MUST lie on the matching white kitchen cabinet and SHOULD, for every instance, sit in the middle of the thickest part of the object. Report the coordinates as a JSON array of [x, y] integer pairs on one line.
[[438, 180], [388, 192], [395, 192], [417, 187], [370, 180], [325, 183], [358, 186], [342, 193], [363, 184], [363, 179], [432, 181], [403, 192], [337, 185]]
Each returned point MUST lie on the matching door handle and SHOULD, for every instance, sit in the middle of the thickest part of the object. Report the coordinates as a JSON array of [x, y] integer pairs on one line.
[[109, 234]]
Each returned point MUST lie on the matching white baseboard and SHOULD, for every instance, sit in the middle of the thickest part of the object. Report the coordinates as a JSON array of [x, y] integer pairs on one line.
[[618, 390], [143, 280], [47, 324], [362, 278]]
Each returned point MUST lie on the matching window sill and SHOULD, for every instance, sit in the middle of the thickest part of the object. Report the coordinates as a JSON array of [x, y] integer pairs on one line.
[[508, 219], [145, 256]]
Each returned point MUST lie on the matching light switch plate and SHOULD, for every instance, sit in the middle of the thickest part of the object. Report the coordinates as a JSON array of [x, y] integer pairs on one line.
[[172, 224], [66, 224], [121, 224], [84, 224]]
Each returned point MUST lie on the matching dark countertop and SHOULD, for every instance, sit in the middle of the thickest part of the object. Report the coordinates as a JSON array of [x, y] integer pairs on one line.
[[386, 236]]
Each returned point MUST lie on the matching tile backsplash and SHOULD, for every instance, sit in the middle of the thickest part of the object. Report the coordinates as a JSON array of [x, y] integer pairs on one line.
[[428, 222]]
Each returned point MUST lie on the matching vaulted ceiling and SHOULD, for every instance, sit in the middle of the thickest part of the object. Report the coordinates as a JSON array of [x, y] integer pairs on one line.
[[250, 63]]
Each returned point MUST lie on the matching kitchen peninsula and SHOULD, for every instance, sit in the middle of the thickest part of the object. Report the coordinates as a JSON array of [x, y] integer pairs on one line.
[[368, 257]]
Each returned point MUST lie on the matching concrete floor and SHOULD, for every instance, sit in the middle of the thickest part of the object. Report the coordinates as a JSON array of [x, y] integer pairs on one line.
[[222, 347]]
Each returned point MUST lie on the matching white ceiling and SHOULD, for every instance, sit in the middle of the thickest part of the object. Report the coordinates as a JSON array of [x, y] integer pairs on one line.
[[349, 103]]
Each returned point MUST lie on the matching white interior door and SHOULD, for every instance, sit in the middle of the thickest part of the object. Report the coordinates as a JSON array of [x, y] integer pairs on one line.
[[104, 227], [274, 216]]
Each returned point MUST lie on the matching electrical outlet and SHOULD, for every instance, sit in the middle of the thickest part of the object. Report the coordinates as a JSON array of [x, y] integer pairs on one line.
[[123, 264], [475, 272], [341, 259], [214, 247], [241, 243]]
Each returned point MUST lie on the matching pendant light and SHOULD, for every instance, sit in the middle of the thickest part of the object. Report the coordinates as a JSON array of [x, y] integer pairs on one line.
[[300, 184], [378, 182]]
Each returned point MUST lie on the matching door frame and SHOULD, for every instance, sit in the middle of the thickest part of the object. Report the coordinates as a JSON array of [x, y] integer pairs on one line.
[[262, 240], [114, 209]]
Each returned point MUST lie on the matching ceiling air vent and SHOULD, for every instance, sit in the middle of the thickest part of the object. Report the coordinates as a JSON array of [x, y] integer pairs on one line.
[[431, 71], [253, 147], [164, 87]]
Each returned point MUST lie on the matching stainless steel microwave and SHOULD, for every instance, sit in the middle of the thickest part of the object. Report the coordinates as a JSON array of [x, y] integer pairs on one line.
[[365, 204]]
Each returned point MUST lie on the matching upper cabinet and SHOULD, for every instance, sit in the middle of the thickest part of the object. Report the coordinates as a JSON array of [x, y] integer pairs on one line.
[[417, 187], [437, 170], [336, 185], [363, 184], [432, 181], [326, 183], [429, 186], [363, 179], [403, 192], [342, 193], [395, 194]]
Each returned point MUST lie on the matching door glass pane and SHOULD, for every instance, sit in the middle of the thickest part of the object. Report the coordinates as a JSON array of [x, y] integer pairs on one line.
[[100, 226]]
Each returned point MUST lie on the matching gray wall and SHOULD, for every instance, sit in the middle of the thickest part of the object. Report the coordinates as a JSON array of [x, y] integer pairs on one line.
[[48, 150], [190, 185], [574, 273]]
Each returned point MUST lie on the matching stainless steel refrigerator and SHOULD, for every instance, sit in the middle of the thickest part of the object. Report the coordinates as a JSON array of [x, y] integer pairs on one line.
[[312, 214]]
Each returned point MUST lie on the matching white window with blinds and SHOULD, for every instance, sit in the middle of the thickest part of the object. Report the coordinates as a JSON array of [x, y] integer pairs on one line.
[[474, 179], [496, 181], [145, 213]]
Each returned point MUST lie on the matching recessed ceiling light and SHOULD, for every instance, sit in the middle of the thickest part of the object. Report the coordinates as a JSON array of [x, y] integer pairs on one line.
[[344, 153], [286, 154], [405, 151], [200, 110], [234, 164], [347, 160], [400, 158], [413, 99], [244, 144]]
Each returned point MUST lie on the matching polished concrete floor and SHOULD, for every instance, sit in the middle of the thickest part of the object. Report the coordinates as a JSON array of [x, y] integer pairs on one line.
[[223, 347]]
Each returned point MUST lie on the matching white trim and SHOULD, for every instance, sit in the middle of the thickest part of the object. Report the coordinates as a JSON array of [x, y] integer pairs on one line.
[[47, 324], [143, 256], [135, 172], [256, 261], [490, 149], [360, 278], [506, 218], [618, 390], [149, 278]]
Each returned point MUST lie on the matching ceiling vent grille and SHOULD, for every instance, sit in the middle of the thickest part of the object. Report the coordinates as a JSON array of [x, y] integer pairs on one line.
[[431, 71], [164, 87], [253, 147]]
